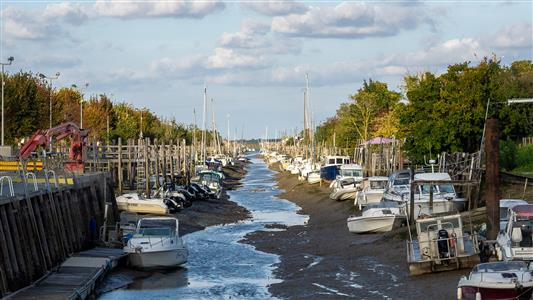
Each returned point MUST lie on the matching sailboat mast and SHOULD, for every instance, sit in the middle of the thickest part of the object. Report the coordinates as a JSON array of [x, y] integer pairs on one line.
[[204, 118]]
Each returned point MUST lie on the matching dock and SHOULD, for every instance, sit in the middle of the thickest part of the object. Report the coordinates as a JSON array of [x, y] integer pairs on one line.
[[75, 278]]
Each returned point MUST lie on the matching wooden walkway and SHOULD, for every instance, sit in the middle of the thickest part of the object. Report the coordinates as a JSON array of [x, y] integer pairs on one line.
[[76, 277]]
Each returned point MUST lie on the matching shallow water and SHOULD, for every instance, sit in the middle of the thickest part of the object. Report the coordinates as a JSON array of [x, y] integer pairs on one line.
[[220, 267]]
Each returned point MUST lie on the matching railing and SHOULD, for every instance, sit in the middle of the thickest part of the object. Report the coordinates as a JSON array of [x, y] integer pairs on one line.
[[459, 246], [32, 175], [9, 184]]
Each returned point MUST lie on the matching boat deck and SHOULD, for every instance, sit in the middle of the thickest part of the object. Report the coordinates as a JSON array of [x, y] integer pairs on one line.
[[75, 278]]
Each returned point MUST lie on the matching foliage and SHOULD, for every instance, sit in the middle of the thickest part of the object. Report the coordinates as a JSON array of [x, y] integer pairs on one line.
[[508, 155], [524, 159], [441, 112]]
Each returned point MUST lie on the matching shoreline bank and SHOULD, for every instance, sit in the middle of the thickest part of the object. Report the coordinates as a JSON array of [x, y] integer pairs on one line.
[[324, 259]]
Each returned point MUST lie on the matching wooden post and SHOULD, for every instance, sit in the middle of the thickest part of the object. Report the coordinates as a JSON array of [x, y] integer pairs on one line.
[[431, 198], [157, 162], [412, 203], [492, 192], [171, 158], [131, 144], [119, 167], [147, 167]]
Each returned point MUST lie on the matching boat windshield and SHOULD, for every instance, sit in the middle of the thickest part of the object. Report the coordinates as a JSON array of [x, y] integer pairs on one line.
[[504, 213], [142, 232], [446, 188], [401, 181], [331, 161], [159, 227], [352, 173], [500, 266], [377, 185]]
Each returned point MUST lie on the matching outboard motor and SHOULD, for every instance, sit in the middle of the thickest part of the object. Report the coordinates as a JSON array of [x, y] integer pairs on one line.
[[442, 243]]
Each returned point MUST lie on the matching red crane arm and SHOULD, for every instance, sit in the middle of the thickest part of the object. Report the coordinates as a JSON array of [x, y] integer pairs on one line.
[[42, 138]]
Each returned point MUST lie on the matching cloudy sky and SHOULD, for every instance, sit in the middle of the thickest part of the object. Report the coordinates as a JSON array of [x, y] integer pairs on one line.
[[253, 55]]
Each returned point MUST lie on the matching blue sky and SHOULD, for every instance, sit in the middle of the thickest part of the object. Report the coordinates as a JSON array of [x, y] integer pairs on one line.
[[253, 55]]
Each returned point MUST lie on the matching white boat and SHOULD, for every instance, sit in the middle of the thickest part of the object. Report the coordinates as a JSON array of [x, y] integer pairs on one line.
[[445, 199], [313, 177], [156, 244], [377, 218], [134, 203], [505, 206], [372, 192], [497, 280], [441, 244], [345, 189], [515, 242]]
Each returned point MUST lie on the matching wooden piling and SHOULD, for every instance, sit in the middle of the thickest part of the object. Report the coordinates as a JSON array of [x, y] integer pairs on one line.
[[492, 193]]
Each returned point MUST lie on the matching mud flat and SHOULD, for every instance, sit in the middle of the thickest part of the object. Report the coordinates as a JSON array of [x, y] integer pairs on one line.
[[215, 212], [323, 259]]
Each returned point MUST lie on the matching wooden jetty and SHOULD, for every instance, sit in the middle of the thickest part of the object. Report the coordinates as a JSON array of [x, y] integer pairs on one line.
[[75, 278]]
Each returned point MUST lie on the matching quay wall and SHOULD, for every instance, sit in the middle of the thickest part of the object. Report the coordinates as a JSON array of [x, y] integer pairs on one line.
[[42, 224]]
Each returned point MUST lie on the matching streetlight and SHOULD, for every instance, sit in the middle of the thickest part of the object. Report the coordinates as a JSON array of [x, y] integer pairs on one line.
[[81, 102], [50, 91], [9, 61]]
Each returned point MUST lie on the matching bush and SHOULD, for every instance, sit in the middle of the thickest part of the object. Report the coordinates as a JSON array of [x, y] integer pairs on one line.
[[524, 159], [508, 154]]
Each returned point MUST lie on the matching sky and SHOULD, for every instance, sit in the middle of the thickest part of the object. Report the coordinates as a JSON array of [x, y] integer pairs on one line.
[[253, 55]]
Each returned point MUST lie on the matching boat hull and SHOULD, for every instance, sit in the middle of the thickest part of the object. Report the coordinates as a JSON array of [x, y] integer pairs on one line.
[[329, 173], [469, 292], [344, 194], [371, 224], [158, 259]]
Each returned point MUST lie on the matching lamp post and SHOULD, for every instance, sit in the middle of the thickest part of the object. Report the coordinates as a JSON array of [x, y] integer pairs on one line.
[[81, 102], [50, 78], [9, 61]]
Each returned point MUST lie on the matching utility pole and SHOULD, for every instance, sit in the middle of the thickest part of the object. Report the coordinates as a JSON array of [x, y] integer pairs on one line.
[[9, 62]]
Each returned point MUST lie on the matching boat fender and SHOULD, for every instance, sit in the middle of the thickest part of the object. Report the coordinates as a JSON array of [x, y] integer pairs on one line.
[[459, 293], [499, 254], [478, 296], [453, 243]]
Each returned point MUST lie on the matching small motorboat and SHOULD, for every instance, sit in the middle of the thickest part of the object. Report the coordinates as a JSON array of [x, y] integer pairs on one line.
[[313, 177], [497, 280], [345, 189], [372, 191], [134, 203], [382, 217], [156, 244]]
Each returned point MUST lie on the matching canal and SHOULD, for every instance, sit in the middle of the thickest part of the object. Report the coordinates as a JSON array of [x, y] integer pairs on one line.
[[219, 266]]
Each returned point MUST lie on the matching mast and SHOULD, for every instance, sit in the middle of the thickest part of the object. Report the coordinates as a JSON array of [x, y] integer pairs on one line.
[[204, 117]]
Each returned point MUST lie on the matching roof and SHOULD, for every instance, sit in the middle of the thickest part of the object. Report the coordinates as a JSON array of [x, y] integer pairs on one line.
[[433, 176], [524, 210], [378, 178], [351, 166], [378, 140], [511, 202]]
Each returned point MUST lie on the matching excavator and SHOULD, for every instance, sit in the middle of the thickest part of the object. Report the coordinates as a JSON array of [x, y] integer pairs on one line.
[[44, 137]]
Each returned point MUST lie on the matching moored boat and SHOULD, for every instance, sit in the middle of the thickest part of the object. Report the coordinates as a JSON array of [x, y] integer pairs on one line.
[[382, 217], [497, 280], [156, 244]]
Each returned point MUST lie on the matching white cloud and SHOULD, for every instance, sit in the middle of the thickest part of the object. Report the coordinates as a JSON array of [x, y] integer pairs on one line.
[[224, 58], [151, 9], [519, 35], [19, 24], [256, 38], [275, 8], [352, 20], [47, 23]]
